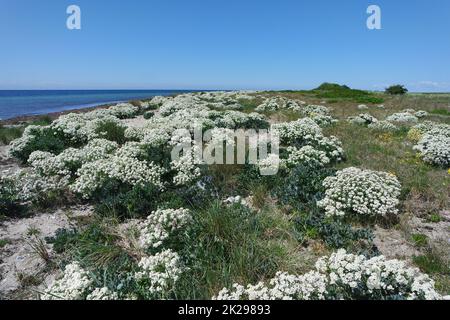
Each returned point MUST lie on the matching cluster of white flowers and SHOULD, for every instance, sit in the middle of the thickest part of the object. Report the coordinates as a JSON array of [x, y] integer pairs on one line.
[[404, 117], [29, 185], [224, 99], [29, 135], [301, 130], [123, 110], [235, 200], [306, 155], [428, 127], [306, 132], [159, 272], [434, 149], [73, 127], [127, 170], [270, 104], [383, 126], [342, 276], [362, 107], [74, 285], [362, 119], [82, 127], [364, 192], [421, 114], [269, 165], [312, 110], [284, 286], [323, 120], [160, 224], [71, 159], [187, 166], [235, 119], [377, 277], [102, 294], [433, 142], [219, 136]]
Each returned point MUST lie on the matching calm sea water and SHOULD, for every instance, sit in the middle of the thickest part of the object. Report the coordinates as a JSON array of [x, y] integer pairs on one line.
[[15, 103]]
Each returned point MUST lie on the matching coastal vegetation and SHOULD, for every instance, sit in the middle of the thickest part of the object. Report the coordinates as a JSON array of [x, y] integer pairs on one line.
[[358, 209]]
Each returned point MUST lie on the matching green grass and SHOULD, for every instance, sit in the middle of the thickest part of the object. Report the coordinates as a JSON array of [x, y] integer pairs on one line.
[[420, 240], [335, 93], [228, 245], [437, 267], [8, 134], [434, 218], [442, 112], [4, 242]]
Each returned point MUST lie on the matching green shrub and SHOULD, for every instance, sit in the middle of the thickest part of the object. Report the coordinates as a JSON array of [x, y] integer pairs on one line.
[[336, 234], [153, 106], [42, 139], [149, 115], [9, 203], [140, 201], [110, 130], [302, 187], [396, 90]]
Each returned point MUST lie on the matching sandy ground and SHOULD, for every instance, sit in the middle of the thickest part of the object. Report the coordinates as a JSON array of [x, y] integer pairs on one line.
[[394, 243], [7, 164], [19, 261], [137, 122]]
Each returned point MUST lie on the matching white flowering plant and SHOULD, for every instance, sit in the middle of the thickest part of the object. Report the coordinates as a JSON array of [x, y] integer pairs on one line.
[[160, 224], [361, 192], [342, 276]]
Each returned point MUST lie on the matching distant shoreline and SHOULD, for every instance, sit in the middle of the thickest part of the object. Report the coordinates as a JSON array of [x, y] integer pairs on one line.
[[54, 115], [22, 105]]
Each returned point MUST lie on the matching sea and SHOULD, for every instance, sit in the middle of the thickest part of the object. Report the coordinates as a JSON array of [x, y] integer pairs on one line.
[[14, 103]]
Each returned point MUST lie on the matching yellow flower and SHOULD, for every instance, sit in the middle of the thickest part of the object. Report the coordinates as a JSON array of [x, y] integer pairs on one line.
[[392, 174]]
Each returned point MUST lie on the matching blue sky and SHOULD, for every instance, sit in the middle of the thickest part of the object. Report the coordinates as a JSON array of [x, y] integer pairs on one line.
[[224, 44]]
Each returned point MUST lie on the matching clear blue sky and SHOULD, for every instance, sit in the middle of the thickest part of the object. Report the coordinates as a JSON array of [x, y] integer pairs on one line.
[[224, 44]]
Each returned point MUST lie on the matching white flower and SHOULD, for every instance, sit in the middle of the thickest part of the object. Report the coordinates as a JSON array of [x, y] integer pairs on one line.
[[363, 119], [383, 126], [402, 117], [74, 285], [160, 224], [364, 192], [307, 155], [435, 149], [341, 276], [159, 272]]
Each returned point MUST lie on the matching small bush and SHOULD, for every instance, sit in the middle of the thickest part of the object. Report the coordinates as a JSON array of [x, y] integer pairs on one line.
[[37, 139], [110, 130], [336, 234], [396, 90], [303, 187], [149, 115], [138, 202], [9, 202]]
